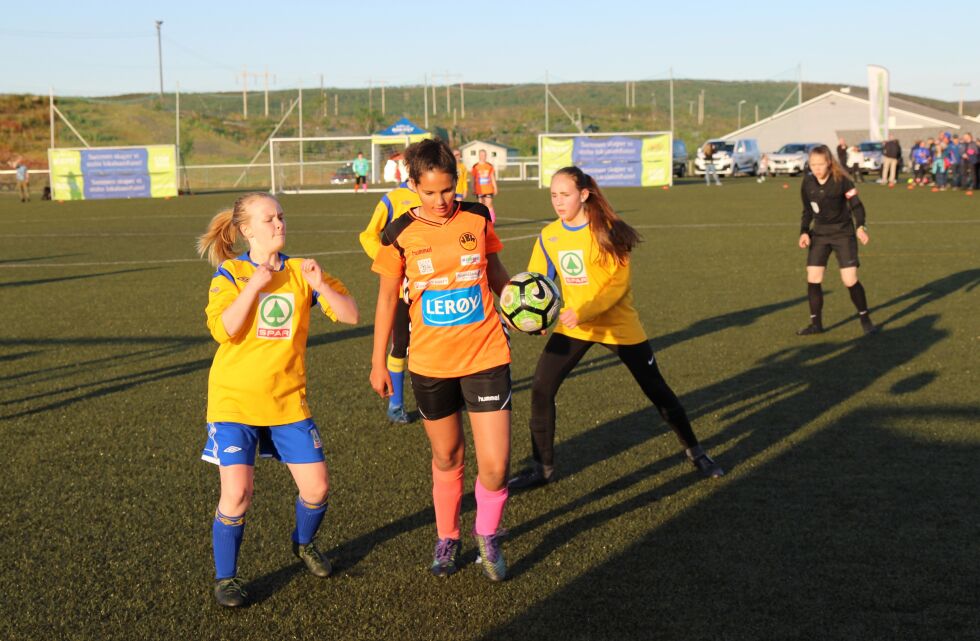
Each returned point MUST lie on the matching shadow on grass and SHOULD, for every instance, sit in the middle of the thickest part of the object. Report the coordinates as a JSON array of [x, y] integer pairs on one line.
[[120, 383], [849, 488], [60, 279], [36, 258]]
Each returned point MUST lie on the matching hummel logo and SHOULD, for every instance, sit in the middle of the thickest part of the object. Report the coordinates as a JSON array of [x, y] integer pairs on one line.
[[231, 449], [483, 399], [650, 362]]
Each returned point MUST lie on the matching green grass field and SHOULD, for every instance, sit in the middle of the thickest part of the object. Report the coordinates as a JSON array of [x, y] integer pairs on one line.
[[849, 512]]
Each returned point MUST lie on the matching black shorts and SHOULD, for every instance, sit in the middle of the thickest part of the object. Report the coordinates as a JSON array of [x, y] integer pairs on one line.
[[844, 247], [486, 391], [360, 180]]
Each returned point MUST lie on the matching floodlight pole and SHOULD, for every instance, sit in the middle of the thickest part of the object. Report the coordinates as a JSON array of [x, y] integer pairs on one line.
[[799, 84], [672, 101], [462, 101], [425, 98], [740, 103], [160, 55], [301, 135], [51, 113], [547, 91]]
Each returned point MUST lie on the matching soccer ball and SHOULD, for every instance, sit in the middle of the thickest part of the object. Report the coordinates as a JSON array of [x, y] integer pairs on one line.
[[530, 302]]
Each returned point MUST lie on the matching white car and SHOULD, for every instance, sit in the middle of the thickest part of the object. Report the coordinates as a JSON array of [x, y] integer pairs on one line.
[[731, 157], [791, 159], [871, 154]]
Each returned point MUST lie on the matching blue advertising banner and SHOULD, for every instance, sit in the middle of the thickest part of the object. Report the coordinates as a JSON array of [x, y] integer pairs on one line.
[[614, 149], [610, 175], [97, 173]]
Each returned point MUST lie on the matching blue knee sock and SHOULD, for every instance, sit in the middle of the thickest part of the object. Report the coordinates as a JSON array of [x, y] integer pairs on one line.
[[226, 539], [308, 519], [396, 369]]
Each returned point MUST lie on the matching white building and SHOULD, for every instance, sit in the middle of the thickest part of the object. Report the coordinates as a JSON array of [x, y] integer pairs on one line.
[[835, 115], [497, 154]]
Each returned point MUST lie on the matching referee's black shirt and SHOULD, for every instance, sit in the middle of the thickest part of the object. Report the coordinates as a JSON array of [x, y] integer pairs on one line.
[[830, 206]]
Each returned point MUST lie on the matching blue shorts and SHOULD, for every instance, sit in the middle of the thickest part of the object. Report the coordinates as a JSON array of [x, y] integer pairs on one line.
[[237, 444]]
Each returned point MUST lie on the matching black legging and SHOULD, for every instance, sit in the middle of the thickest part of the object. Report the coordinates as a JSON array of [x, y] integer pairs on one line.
[[400, 330], [560, 357]]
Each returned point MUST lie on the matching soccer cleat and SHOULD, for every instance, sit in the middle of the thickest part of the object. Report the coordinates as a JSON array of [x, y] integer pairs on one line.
[[491, 556], [397, 414], [809, 330], [316, 563], [869, 327], [532, 477], [445, 559], [704, 464], [230, 593]]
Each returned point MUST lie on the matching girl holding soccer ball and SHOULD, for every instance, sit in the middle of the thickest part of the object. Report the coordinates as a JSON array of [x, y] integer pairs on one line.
[[259, 312], [447, 250], [588, 248]]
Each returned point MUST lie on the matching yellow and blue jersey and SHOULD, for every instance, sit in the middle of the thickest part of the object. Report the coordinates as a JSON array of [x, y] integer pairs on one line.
[[593, 284], [258, 376], [392, 205]]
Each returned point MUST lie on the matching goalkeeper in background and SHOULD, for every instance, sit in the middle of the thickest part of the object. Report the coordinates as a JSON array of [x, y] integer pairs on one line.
[[361, 167]]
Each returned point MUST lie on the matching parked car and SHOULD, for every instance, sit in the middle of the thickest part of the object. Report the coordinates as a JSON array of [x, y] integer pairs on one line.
[[871, 153], [343, 175], [792, 158], [680, 158], [731, 157]]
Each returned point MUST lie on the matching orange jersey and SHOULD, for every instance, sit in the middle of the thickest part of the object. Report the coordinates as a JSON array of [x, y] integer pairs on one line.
[[455, 328], [483, 178]]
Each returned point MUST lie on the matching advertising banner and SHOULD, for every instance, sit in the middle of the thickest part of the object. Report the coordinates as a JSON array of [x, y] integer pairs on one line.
[[641, 160], [113, 172]]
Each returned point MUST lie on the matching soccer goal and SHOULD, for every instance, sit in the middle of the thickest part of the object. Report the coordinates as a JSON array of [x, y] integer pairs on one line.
[[616, 159], [325, 165]]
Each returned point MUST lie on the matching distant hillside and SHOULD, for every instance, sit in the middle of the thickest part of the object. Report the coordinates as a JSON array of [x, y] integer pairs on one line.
[[213, 129]]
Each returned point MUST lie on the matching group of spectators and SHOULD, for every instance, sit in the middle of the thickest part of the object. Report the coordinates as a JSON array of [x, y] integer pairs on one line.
[[946, 162]]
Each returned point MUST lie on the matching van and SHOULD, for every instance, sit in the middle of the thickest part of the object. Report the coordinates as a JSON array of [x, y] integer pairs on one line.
[[731, 157]]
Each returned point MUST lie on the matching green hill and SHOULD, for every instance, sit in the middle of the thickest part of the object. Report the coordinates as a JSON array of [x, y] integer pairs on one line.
[[213, 129]]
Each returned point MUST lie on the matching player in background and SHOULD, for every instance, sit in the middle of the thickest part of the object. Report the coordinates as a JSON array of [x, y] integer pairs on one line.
[[392, 205], [485, 183], [588, 248], [460, 356], [831, 204], [259, 311], [463, 177], [361, 167]]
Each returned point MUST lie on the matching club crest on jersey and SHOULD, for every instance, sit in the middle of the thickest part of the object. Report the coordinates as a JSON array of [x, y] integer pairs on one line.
[[467, 241], [572, 265], [275, 317], [425, 265], [444, 308]]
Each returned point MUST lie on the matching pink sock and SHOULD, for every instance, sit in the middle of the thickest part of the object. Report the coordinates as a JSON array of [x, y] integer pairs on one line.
[[493, 216], [489, 509], [447, 496]]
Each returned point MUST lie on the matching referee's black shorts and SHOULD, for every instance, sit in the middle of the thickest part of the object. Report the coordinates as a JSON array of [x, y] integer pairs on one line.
[[844, 247], [486, 391]]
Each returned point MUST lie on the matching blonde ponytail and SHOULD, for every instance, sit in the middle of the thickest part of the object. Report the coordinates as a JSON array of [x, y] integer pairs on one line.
[[217, 243]]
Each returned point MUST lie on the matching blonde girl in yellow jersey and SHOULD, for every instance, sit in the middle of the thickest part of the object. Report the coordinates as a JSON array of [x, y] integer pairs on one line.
[[587, 249], [259, 312]]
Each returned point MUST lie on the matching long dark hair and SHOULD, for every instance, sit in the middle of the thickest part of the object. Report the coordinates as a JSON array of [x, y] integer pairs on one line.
[[836, 171], [612, 234], [431, 154]]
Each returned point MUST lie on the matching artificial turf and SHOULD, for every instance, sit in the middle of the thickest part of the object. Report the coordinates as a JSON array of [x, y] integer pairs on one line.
[[849, 510]]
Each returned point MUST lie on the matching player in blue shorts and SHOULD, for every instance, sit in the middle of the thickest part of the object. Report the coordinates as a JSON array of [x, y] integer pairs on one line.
[[259, 312]]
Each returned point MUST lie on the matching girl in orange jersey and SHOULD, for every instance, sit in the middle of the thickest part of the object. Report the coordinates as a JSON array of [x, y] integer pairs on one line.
[[259, 312], [460, 356], [588, 250]]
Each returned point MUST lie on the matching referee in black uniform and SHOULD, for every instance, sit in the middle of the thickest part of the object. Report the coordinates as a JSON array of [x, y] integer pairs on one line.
[[831, 204]]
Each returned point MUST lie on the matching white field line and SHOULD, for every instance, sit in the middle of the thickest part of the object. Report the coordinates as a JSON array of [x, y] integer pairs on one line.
[[165, 261]]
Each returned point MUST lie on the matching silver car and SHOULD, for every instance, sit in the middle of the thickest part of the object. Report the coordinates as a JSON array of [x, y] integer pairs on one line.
[[791, 159]]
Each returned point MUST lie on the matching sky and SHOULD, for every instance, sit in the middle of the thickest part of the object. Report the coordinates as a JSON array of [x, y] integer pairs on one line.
[[107, 48]]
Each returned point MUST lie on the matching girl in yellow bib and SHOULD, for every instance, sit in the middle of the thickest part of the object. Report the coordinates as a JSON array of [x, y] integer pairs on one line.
[[259, 313], [587, 250]]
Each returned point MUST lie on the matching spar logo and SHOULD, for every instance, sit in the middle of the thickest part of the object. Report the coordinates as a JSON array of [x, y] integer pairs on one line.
[[572, 267], [275, 316], [447, 307]]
